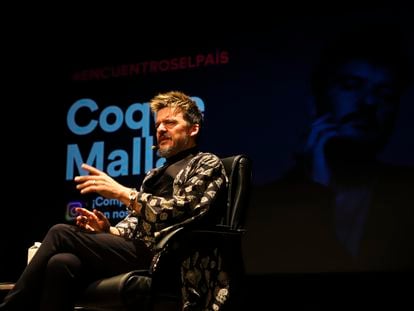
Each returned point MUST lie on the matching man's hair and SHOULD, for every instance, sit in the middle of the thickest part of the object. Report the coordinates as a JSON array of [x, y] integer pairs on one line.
[[180, 101], [381, 45]]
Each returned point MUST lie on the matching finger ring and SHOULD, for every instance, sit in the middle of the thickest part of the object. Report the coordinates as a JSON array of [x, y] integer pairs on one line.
[[94, 182]]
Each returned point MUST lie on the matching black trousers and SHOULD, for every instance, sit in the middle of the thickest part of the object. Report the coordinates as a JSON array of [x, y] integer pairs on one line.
[[69, 259]]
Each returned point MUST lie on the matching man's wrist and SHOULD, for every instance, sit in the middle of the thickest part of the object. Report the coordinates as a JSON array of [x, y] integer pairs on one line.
[[133, 193]]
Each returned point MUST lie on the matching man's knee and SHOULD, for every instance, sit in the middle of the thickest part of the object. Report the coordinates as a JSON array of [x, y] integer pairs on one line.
[[60, 228], [64, 262]]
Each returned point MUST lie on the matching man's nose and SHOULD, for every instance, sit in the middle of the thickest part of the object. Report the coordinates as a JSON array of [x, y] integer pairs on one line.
[[369, 98], [161, 128]]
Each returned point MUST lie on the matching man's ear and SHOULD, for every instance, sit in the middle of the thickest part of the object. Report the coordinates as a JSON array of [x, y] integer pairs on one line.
[[195, 128]]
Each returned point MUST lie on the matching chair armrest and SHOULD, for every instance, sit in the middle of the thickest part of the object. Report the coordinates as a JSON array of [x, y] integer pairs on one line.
[[181, 240], [130, 288], [185, 242], [167, 238]]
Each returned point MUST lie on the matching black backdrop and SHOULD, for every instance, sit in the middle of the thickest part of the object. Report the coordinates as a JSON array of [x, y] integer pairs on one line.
[[252, 78]]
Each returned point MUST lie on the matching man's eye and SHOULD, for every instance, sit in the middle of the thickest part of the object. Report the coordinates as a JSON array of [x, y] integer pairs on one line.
[[169, 123], [166, 124]]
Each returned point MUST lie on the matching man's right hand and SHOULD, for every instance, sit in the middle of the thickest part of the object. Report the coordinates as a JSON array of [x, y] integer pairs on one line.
[[322, 130], [94, 221]]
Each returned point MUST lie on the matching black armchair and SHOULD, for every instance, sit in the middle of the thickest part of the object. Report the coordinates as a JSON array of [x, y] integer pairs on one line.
[[193, 269]]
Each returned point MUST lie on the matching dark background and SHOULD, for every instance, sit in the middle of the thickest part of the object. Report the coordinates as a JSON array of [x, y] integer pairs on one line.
[[256, 104]]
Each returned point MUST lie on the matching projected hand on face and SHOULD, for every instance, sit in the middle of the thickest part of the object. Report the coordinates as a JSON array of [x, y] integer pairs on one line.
[[322, 130]]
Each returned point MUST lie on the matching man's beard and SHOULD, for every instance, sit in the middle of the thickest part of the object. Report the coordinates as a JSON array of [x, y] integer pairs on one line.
[[173, 150], [167, 152]]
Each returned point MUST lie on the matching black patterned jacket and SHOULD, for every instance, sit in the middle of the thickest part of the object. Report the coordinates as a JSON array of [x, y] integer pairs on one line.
[[195, 187]]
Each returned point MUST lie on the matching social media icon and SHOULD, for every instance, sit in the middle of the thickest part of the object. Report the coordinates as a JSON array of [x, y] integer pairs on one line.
[[70, 210]]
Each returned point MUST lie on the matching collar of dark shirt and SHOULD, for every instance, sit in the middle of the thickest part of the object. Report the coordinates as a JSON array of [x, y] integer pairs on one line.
[[181, 155]]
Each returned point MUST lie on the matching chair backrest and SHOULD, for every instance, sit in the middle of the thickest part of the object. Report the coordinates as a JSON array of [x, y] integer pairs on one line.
[[239, 172]]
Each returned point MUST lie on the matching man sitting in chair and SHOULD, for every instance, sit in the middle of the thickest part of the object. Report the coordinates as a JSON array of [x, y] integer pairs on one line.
[[179, 192]]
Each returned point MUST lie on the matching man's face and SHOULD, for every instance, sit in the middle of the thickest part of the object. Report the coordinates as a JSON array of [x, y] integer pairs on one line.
[[363, 101], [174, 133]]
